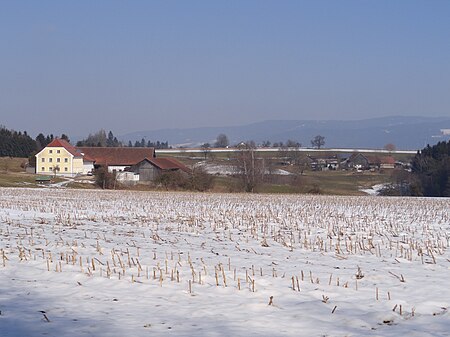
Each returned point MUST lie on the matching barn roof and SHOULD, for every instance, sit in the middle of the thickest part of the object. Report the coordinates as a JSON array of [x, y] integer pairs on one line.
[[126, 156], [377, 160], [167, 164], [387, 160]]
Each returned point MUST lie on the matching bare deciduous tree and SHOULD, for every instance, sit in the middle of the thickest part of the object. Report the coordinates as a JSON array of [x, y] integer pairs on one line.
[[104, 178], [55, 170], [266, 143], [318, 141], [293, 143], [390, 147], [206, 149], [250, 168], [222, 140]]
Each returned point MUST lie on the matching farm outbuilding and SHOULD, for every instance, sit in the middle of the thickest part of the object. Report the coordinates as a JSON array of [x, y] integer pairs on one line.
[[362, 162], [358, 161], [324, 163], [151, 168], [43, 180]]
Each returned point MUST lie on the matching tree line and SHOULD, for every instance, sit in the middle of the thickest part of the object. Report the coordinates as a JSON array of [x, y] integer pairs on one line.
[[149, 143], [100, 139], [431, 167], [16, 144], [22, 145], [222, 141]]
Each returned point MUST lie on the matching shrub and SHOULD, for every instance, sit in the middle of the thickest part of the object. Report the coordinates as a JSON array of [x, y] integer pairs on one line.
[[104, 178], [172, 180], [201, 180], [197, 180], [315, 189]]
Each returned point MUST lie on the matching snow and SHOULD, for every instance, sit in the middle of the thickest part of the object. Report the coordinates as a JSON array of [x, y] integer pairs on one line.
[[374, 190], [63, 183], [218, 169], [282, 172], [303, 251]]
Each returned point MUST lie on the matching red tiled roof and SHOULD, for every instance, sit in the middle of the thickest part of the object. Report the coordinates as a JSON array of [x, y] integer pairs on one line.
[[125, 156], [57, 142], [372, 160], [168, 164], [380, 160], [88, 158], [387, 160]]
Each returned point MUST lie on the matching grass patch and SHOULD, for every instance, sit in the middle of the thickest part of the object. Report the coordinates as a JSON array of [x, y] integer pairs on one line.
[[342, 182], [324, 182], [8, 164], [279, 189], [83, 186], [226, 184], [13, 179]]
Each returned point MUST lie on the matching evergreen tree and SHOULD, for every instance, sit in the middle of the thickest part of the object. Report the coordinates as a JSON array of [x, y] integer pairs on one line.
[[432, 167], [100, 139], [41, 141], [110, 140], [65, 137], [16, 144]]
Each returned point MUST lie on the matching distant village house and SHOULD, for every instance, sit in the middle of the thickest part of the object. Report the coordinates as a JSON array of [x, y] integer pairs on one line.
[[359, 161]]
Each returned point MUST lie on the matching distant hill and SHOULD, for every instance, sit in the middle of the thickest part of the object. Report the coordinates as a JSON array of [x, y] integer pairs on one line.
[[407, 133]]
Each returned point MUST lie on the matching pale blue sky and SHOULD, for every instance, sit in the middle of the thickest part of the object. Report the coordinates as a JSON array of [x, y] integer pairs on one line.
[[140, 65]]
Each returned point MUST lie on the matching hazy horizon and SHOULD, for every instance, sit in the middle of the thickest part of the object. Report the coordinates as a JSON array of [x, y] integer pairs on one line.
[[77, 67], [84, 133]]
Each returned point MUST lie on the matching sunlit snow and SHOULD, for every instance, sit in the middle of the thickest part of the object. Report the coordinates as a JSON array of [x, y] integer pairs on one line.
[[117, 263]]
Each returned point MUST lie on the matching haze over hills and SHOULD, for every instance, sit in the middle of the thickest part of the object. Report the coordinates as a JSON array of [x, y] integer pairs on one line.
[[408, 133]]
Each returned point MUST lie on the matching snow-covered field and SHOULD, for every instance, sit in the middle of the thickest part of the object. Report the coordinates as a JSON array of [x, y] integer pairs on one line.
[[226, 170], [98, 263]]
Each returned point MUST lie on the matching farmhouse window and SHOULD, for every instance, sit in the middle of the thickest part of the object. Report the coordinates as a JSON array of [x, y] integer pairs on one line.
[[58, 160], [50, 160], [50, 151], [58, 151], [66, 160], [42, 168], [43, 160], [65, 169]]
